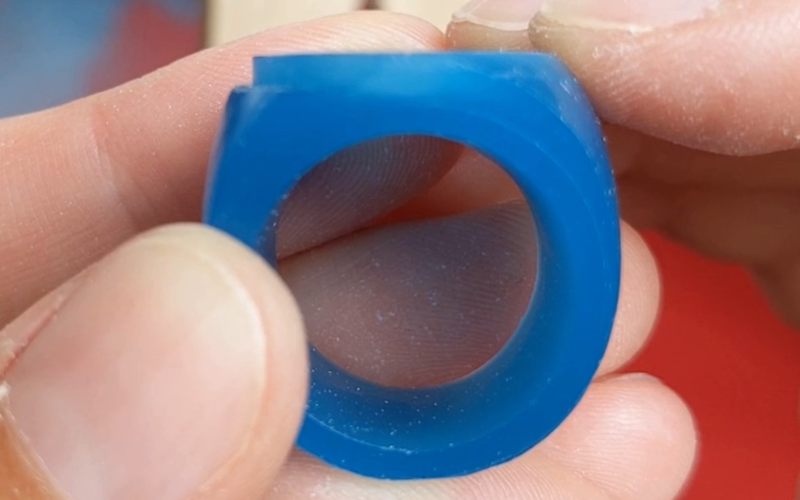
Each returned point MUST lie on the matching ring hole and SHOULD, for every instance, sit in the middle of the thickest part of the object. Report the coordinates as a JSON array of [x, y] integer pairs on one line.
[[412, 258]]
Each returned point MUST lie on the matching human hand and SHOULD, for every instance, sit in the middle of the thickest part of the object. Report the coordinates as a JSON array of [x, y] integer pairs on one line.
[[701, 104], [171, 364], [701, 108]]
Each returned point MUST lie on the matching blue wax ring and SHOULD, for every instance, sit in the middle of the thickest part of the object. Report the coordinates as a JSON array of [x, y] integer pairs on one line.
[[527, 113]]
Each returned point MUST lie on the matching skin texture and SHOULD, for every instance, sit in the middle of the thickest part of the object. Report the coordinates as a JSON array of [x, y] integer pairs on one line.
[[179, 344], [702, 152]]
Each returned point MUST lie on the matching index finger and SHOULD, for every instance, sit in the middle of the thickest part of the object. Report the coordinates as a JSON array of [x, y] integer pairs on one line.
[[79, 179], [713, 75]]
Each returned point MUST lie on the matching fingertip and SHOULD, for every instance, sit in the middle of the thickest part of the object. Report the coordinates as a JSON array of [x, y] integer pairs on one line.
[[639, 301], [637, 438], [492, 24], [467, 35], [696, 81], [270, 437], [180, 355]]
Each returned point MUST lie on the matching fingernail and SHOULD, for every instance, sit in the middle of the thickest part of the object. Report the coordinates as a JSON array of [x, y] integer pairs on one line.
[[629, 15], [506, 15], [146, 381], [643, 377]]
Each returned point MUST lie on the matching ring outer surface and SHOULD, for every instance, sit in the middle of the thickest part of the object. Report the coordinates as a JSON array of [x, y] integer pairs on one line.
[[526, 112]]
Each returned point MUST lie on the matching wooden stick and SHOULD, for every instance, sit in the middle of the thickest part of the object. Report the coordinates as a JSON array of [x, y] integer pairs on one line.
[[227, 20], [437, 12]]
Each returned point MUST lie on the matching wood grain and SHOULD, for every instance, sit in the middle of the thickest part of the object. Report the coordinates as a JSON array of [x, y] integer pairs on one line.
[[228, 20], [437, 12]]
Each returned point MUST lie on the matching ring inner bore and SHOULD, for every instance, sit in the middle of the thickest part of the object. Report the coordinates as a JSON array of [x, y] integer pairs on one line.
[[412, 258]]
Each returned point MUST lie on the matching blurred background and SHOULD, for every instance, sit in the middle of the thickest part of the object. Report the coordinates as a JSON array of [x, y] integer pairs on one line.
[[718, 344]]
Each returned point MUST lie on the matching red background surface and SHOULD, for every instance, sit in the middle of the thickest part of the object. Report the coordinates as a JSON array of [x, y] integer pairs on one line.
[[723, 350], [145, 38]]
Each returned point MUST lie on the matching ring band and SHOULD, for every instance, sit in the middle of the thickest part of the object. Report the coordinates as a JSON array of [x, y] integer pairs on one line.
[[526, 112]]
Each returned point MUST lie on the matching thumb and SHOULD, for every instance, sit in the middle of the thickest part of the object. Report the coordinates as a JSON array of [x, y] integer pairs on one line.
[[174, 369], [717, 75]]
